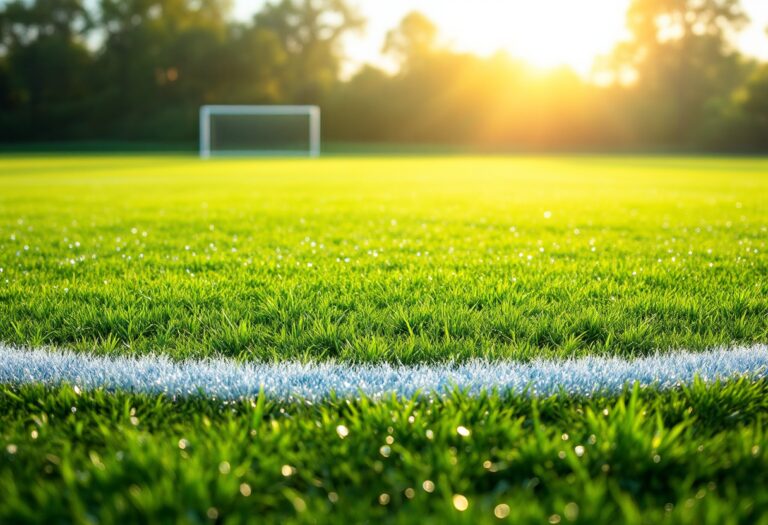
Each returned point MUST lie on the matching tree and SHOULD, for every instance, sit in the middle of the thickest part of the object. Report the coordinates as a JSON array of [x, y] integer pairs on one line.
[[310, 32], [23, 23], [414, 40], [45, 65], [159, 62], [683, 62], [746, 118]]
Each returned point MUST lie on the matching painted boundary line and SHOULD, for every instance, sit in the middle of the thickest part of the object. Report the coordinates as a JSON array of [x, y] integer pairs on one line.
[[227, 380]]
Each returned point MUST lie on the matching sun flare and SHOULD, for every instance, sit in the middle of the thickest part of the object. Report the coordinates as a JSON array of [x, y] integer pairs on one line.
[[545, 33]]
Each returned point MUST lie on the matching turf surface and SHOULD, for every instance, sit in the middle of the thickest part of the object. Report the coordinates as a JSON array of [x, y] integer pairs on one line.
[[403, 260], [412, 261], [698, 455]]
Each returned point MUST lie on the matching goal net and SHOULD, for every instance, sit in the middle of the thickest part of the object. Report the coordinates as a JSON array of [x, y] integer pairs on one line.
[[276, 131]]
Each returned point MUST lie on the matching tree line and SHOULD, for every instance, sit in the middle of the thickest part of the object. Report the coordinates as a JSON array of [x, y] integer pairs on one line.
[[140, 69]]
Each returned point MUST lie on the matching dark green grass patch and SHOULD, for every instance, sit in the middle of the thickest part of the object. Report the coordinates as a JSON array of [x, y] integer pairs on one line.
[[697, 455]]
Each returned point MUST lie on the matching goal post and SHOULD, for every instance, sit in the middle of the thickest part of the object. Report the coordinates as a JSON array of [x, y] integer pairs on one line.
[[267, 131]]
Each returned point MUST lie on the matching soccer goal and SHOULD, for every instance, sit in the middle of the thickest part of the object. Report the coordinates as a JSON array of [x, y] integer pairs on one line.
[[271, 131]]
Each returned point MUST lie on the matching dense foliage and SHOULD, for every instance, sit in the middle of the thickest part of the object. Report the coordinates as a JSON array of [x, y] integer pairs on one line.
[[139, 70]]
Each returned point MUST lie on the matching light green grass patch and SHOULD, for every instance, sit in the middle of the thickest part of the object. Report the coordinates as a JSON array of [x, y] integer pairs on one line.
[[370, 259]]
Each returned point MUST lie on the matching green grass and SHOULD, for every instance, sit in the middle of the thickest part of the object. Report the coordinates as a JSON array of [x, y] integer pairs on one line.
[[409, 260], [698, 455]]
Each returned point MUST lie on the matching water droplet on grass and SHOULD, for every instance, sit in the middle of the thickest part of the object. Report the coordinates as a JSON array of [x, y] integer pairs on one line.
[[501, 511], [460, 502]]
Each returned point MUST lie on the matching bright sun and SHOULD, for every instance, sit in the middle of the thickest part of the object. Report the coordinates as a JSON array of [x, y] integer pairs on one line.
[[545, 33]]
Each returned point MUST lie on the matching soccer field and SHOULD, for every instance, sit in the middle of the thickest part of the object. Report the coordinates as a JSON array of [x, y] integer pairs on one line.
[[416, 263]]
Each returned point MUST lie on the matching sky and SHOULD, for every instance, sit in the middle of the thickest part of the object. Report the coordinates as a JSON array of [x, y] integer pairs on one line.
[[546, 33]]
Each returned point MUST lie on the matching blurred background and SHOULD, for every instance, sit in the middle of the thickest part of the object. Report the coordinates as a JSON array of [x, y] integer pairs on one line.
[[487, 75]]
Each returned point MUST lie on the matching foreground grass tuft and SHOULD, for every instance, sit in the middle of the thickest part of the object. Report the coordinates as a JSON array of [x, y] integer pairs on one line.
[[695, 455]]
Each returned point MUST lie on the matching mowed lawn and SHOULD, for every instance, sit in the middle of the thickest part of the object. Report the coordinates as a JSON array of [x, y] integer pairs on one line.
[[403, 260]]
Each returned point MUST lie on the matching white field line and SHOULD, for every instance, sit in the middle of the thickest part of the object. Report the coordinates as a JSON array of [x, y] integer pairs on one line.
[[226, 379]]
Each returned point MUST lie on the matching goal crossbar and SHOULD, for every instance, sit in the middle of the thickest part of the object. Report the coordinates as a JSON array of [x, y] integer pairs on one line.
[[312, 112]]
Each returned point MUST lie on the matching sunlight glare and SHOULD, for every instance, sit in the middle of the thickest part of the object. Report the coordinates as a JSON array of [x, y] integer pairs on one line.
[[545, 33]]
